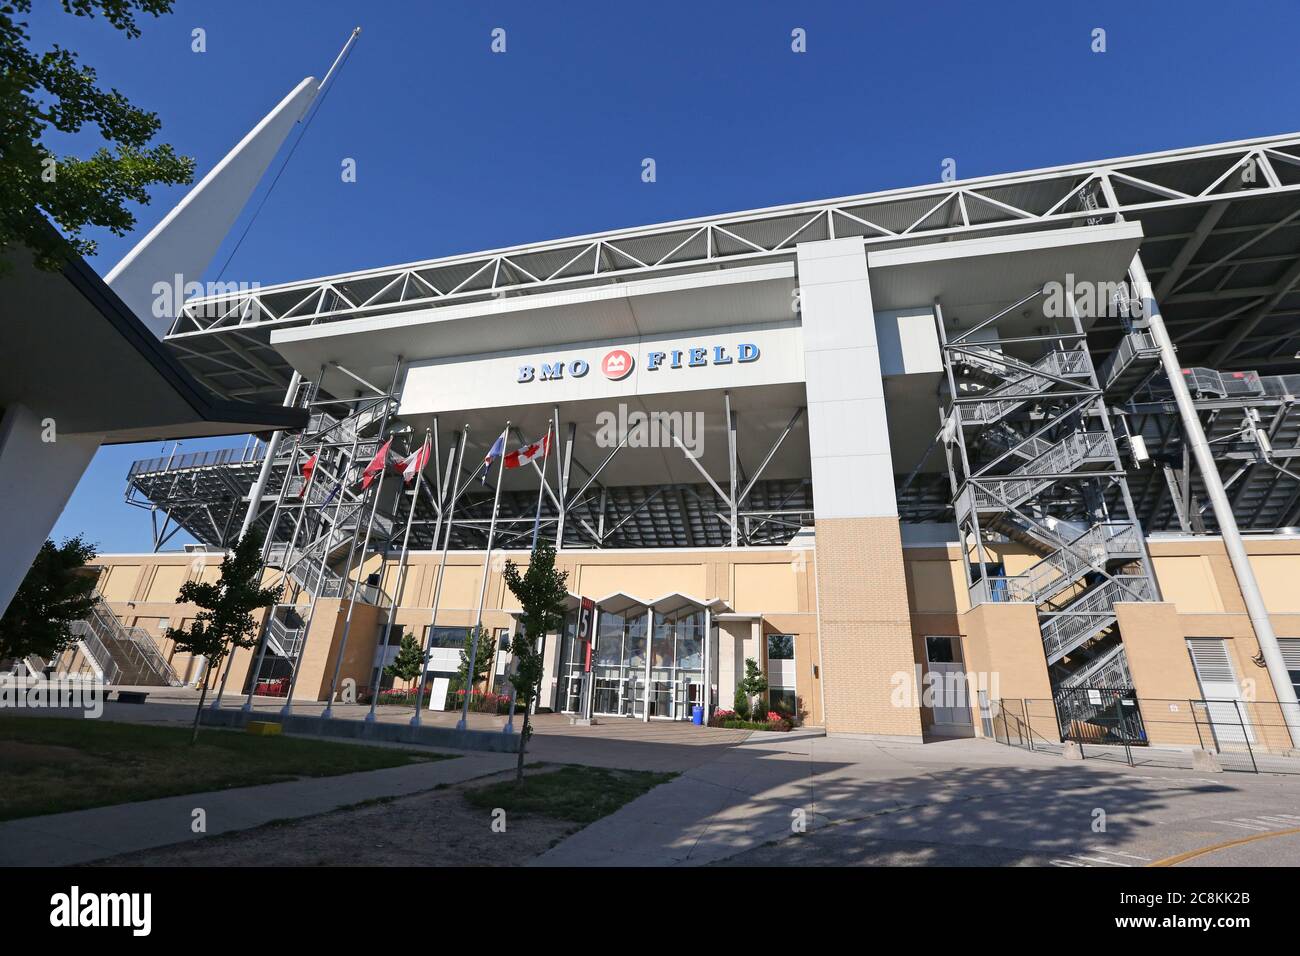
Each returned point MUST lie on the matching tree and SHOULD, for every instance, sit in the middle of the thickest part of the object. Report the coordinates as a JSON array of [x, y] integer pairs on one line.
[[51, 92], [409, 660], [740, 703], [226, 619], [486, 656], [541, 593], [57, 590], [755, 686]]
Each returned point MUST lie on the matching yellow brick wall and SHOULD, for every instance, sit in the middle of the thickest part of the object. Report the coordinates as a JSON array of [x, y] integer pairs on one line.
[[865, 625]]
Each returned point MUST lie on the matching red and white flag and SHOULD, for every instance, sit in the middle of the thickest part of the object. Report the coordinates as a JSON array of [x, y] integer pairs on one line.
[[526, 453], [376, 465], [414, 463], [308, 467]]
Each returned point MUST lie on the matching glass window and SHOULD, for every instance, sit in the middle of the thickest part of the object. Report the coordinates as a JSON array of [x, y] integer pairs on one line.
[[690, 653], [503, 639], [634, 641], [663, 652], [940, 650], [784, 700], [780, 647], [609, 639], [446, 636]]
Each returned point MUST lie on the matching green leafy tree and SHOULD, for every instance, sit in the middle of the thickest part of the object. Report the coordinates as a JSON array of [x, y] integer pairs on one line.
[[51, 93], [755, 686], [486, 656], [541, 593], [408, 661], [226, 620], [57, 590]]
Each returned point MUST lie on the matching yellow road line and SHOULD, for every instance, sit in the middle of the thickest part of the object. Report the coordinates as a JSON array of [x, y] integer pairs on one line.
[[1192, 854]]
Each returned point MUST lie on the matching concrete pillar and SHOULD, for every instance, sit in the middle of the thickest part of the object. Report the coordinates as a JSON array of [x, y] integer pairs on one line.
[[37, 477], [863, 614]]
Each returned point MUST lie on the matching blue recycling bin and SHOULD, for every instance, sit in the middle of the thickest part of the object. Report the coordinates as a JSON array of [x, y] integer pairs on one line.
[[697, 715]]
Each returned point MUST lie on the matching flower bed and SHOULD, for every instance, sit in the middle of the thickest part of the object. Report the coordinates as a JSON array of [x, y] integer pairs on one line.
[[481, 703], [728, 719], [402, 697]]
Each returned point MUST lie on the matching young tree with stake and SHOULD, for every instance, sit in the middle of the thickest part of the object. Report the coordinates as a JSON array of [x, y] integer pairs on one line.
[[541, 593], [226, 619], [486, 650]]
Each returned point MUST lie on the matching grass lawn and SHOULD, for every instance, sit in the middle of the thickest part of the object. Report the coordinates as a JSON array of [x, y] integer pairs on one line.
[[580, 794], [52, 764]]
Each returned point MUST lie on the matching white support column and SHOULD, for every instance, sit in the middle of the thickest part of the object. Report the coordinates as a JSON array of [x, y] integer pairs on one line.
[[731, 469], [184, 243], [707, 646], [264, 475], [1194, 437], [37, 477], [848, 433], [649, 660]]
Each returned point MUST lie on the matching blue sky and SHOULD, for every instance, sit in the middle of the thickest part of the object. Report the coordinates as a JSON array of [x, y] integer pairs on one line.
[[459, 149]]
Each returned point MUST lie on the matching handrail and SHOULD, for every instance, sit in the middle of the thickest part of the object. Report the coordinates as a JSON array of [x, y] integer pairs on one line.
[[95, 651]]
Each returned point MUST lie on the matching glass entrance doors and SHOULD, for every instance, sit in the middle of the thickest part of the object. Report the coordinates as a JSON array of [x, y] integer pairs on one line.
[[635, 673]]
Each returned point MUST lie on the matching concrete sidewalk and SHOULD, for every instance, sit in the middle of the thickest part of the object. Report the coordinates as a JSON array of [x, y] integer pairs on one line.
[[970, 800], [81, 836]]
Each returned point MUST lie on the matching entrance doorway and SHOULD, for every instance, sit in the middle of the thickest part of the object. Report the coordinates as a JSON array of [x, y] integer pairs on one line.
[[635, 673], [947, 685]]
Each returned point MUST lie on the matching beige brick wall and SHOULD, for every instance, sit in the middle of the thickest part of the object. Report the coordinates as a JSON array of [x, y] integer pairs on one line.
[[865, 626]]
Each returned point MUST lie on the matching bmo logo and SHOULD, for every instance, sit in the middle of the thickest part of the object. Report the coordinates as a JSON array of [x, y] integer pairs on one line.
[[617, 364]]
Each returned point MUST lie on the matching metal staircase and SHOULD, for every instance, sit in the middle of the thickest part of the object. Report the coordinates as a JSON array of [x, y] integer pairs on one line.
[[1021, 382], [120, 654], [1034, 463], [320, 524]]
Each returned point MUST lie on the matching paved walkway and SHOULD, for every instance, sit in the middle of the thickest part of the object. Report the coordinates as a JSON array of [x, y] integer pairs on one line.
[[62, 839], [969, 802]]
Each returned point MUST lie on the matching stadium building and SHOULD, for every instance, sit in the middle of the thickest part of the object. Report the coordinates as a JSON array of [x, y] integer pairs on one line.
[[1028, 437]]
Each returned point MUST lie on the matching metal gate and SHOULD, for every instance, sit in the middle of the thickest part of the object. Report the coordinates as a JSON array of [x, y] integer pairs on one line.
[[1100, 715]]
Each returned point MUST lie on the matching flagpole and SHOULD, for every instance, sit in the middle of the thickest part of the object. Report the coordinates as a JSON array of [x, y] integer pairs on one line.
[[437, 586], [537, 518], [471, 665], [401, 578]]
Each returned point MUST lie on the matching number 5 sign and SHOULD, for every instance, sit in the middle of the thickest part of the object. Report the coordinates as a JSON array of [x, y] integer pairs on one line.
[[586, 621]]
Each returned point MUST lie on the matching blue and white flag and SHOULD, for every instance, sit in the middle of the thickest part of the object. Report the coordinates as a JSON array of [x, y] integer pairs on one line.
[[496, 451], [333, 491]]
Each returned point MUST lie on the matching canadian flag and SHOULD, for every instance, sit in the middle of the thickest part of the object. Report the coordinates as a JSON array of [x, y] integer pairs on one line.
[[376, 465], [414, 463], [527, 453], [308, 467]]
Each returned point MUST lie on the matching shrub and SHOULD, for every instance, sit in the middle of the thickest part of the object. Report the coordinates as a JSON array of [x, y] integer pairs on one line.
[[741, 704]]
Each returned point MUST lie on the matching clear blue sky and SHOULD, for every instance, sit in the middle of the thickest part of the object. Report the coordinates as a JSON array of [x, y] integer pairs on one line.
[[458, 149]]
